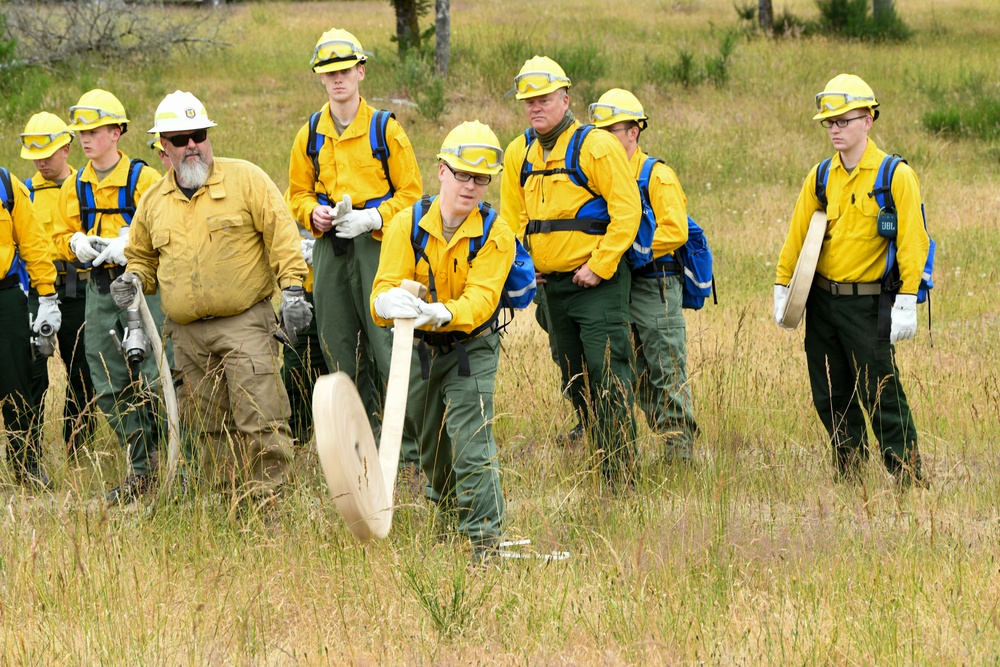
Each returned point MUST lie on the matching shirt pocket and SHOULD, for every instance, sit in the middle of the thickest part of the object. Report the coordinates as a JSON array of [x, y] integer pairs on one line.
[[226, 236], [862, 219], [160, 238]]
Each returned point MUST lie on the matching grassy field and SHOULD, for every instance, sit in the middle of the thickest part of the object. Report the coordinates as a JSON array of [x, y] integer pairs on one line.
[[753, 556]]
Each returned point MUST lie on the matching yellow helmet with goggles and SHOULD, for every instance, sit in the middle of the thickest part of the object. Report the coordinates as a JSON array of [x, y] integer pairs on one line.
[[843, 93], [539, 76], [472, 147], [96, 108], [617, 106], [336, 50], [44, 134]]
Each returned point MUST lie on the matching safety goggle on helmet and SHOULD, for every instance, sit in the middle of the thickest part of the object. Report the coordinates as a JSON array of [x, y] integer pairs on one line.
[[603, 115], [843, 93], [472, 147], [337, 50]]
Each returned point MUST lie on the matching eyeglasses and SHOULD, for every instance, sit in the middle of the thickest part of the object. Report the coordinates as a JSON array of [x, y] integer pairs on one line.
[[40, 141], [90, 115], [831, 101], [337, 50], [600, 112], [181, 140], [840, 122], [528, 81], [477, 154], [465, 177]]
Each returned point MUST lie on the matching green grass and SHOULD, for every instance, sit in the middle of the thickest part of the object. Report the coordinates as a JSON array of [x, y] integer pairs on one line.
[[755, 556]]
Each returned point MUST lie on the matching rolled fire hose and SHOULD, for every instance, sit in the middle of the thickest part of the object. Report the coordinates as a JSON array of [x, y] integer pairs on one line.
[[169, 395], [805, 270], [360, 477]]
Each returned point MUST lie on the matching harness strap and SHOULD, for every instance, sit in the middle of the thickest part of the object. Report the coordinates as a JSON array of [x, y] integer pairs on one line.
[[590, 225]]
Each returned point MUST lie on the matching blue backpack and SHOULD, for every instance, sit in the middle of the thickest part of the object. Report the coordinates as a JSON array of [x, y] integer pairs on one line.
[[518, 289], [694, 257], [377, 141], [126, 197], [883, 196], [17, 266]]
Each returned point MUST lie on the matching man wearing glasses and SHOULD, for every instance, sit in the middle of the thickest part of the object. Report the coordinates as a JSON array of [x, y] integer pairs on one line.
[[24, 245], [351, 169], [577, 224], [852, 367], [450, 402], [92, 227], [215, 235], [657, 317], [46, 143]]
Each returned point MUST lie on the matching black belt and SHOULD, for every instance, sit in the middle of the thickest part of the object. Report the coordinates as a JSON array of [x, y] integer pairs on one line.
[[658, 267], [104, 276], [590, 225], [847, 289]]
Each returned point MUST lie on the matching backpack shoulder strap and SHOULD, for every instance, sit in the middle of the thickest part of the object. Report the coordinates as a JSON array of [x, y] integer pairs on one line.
[[6, 190], [646, 173], [418, 240], [573, 157], [822, 176], [126, 195], [529, 138], [883, 182], [489, 214], [85, 196], [378, 142], [29, 183], [315, 142]]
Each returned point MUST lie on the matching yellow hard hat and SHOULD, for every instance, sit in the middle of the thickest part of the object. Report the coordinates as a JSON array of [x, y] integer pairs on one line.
[[617, 106], [539, 76], [155, 142], [180, 111], [843, 93], [96, 108], [336, 50], [472, 147], [44, 134]]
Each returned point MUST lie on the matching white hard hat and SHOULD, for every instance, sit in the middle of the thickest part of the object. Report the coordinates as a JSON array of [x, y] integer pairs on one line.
[[180, 111]]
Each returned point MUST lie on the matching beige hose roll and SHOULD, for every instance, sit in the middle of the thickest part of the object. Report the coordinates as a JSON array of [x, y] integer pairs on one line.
[[805, 270], [361, 478]]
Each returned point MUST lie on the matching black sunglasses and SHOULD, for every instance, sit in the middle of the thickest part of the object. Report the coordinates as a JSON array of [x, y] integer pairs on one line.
[[181, 140]]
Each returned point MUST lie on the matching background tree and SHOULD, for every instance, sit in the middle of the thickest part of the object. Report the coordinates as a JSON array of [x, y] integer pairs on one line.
[[765, 15], [442, 32]]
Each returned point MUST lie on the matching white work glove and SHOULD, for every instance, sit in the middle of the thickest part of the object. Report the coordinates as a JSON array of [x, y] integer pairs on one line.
[[307, 250], [780, 297], [82, 246], [355, 223], [904, 318], [124, 288], [342, 208], [296, 312], [114, 250], [397, 303], [435, 314], [48, 313]]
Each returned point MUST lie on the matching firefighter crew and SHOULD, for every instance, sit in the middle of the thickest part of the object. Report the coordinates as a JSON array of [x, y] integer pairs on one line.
[[94, 232], [215, 235], [22, 239], [450, 402], [361, 177], [586, 286], [851, 371], [46, 142], [658, 325]]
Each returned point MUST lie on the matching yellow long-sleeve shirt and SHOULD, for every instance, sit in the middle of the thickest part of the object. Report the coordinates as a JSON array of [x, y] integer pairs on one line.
[[471, 291], [218, 253], [666, 197], [67, 220], [852, 251], [555, 197], [21, 233], [45, 200], [347, 166]]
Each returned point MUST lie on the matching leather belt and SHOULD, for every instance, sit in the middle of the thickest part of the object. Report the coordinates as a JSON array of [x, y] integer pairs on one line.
[[847, 289]]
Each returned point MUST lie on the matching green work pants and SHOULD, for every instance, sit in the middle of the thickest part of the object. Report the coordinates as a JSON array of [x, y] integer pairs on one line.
[[592, 336], [126, 395], [350, 339], [453, 417], [660, 336], [302, 365], [77, 418], [849, 369], [15, 379]]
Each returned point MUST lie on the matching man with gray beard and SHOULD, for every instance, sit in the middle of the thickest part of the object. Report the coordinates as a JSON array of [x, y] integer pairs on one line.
[[214, 234]]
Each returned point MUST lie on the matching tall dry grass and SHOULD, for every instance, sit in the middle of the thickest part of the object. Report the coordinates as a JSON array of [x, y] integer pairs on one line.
[[754, 556]]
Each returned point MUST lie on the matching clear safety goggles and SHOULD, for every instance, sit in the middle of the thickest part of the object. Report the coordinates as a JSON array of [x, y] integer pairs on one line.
[[40, 141], [337, 50], [477, 154], [90, 115], [831, 101], [526, 82], [600, 112]]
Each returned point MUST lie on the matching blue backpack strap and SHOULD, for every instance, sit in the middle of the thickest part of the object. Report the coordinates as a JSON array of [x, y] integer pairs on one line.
[[313, 146], [380, 151], [489, 214], [418, 239], [883, 182], [126, 195], [85, 196], [822, 176], [573, 157], [6, 190], [31, 188], [529, 137]]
